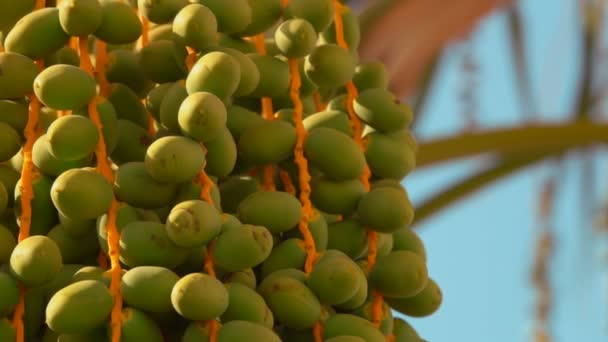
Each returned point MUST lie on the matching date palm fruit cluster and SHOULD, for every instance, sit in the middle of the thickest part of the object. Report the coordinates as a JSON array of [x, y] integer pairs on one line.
[[203, 170]]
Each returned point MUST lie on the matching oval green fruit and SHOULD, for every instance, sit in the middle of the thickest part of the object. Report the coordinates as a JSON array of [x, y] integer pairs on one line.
[[36, 260], [295, 38], [82, 194], [64, 87], [202, 116], [390, 155], [245, 304], [336, 197], [423, 304], [335, 119], [50, 165], [132, 177], [144, 243], [405, 239], [264, 14], [75, 249], [128, 105], [221, 155], [37, 34], [277, 211], [109, 121], [290, 253], [174, 159], [267, 142], [370, 75], [44, 214], [131, 143], [334, 278], [385, 209], [193, 223], [254, 244], [119, 23], [163, 61], [231, 17], [345, 324], [399, 274], [274, 76], [137, 326], [217, 73], [196, 25], [404, 332], [292, 303], [344, 161], [199, 297], [320, 13], [17, 75], [79, 307], [80, 18], [347, 236], [329, 66], [148, 288], [160, 11], [72, 137], [379, 109], [243, 331]]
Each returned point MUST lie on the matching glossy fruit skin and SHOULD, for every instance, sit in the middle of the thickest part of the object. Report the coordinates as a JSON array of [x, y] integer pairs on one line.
[[145, 243], [423, 304], [64, 87], [82, 194], [202, 116], [119, 23], [199, 297], [79, 307], [131, 177], [295, 38], [162, 11], [193, 223], [35, 260], [267, 142], [334, 278], [399, 274], [274, 76], [277, 211], [217, 73], [37, 34], [231, 17], [344, 161], [264, 14], [163, 61], [18, 74], [174, 159], [80, 17], [137, 326], [292, 303], [196, 25], [253, 243], [72, 137], [329, 66]]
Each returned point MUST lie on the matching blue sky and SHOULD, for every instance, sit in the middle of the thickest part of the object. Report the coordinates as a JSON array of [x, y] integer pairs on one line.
[[481, 250]]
